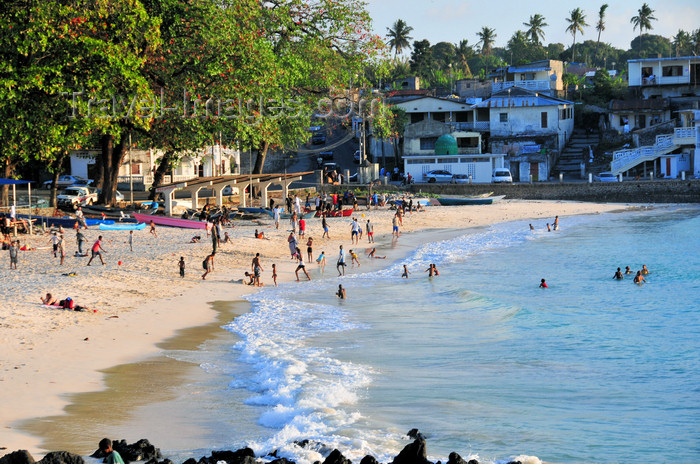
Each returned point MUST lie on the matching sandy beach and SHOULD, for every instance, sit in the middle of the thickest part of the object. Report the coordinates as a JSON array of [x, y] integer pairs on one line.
[[49, 353]]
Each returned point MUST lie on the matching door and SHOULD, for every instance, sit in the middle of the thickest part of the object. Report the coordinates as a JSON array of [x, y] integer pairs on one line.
[[642, 121], [515, 170], [668, 167], [535, 171]]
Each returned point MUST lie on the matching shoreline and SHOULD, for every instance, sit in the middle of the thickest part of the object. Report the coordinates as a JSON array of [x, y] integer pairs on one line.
[[45, 388]]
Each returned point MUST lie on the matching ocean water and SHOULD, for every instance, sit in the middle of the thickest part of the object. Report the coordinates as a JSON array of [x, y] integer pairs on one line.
[[479, 359]]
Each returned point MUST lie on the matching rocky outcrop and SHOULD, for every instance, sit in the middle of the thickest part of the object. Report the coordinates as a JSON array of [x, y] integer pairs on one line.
[[18, 457], [413, 453], [336, 457], [62, 457]]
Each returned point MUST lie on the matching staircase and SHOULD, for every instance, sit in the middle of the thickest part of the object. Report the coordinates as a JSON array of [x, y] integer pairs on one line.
[[576, 152]]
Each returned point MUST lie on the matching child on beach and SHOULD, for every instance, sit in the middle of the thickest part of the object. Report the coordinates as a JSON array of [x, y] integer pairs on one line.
[[372, 254], [274, 274], [97, 251], [324, 224], [131, 240], [208, 265], [14, 252], [321, 261], [310, 249], [341, 293], [301, 266], [302, 227], [405, 272], [370, 232], [353, 255], [153, 229], [112, 457], [181, 265]]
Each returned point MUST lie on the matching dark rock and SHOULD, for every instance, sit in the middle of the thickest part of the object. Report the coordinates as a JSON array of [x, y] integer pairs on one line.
[[302, 444], [413, 453], [190, 461], [142, 450], [241, 456], [514, 462], [369, 460], [62, 457], [17, 457], [414, 433], [336, 457], [455, 459], [282, 461], [473, 461]]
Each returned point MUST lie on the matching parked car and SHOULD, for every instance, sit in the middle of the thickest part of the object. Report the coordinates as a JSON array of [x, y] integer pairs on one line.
[[437, 176], [356, 156], [66, 180], [605, 177], [460, 179], [318, 138], [74, 196], [326, 155], [501, 175]]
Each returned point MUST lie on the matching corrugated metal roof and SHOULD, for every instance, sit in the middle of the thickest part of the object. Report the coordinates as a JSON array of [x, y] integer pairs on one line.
[[515, 69]]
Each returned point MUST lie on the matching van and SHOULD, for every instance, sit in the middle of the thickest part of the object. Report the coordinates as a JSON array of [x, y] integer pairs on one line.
[[501, 175]]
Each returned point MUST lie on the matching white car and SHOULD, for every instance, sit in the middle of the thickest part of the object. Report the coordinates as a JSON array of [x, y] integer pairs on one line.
[[437, 176], [605, 177], [501, 175], [75, 196], [66, 180]]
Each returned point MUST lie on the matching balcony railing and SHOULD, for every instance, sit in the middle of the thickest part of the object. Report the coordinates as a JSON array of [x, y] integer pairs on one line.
[[470, 126], [684, 136], [627, 159], [148, 179], [538, 85]]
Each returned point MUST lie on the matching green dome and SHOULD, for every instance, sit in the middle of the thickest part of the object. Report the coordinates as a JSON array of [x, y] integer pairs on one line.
[[446, 145]]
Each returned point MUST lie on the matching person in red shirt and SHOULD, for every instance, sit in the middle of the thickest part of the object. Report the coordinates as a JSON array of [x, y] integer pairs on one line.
[[96, 250], [543, 284]]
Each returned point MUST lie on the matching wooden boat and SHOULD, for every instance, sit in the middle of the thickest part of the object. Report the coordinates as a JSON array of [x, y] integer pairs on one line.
[[336, 213], [253, 210], [170, 221], [476, 200], [124, 226]]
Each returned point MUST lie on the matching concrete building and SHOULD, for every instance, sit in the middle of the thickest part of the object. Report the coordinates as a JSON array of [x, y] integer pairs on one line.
[[665, 77], [538, 76], [628, 115]]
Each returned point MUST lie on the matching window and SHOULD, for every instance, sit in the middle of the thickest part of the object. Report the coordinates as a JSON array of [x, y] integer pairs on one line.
[[503, 117], [672, 71], [467, 142], [428, 143], [543, 117], [417, 117], [438, 117], [446, 160], [647, 71], [420, 160]]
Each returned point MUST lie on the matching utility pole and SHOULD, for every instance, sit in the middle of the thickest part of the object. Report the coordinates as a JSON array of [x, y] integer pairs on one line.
[[131, 174]]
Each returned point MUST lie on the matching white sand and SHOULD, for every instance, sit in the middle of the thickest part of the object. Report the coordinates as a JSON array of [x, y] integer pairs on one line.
[[45, 353]]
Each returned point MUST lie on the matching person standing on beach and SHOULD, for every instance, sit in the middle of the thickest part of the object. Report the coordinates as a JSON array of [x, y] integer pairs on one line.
[[208, 265], [112, 457], [395, 225], [257, 269], [61, 249], [324, 224], [321, 261], [556, 222], [277, 213], [292, 240], [310, 249], [355, 230], [302, 227], [153, 229], [80, 238], [131, 240], [97, 251], [14, 251], [54, 243], [370, 232], [274, 274], [81, 218], [340, 266], [181, 265]]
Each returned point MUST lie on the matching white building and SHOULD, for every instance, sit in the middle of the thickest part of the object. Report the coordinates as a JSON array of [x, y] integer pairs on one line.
[[665, 77], [479, 166], [538, 76]]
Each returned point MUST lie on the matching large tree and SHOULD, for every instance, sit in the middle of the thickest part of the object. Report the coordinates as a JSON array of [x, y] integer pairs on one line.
[[577, 21], [399, 36], [487, 36], [642, 21], [600, 25], [534, 30]]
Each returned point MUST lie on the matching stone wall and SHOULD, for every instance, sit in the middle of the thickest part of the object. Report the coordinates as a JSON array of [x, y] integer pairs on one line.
[[663, 191]]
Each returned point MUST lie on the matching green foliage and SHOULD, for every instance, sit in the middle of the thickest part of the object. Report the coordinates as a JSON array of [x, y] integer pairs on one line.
[[650, 45], [399, 36]]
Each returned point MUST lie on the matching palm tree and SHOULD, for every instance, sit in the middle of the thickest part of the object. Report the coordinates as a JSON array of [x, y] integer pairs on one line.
[[463, 52], [486, 38], [642, 21], [600, 27], [535, 32], [682, 42], [577, 21], [398, 36]]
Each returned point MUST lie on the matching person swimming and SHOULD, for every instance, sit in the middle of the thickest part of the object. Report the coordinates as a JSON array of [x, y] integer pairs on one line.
[[405, 272], [645, 271], [628, 270], [341, 293], [618, 275], [543, 284], [639, 278], [373, 254]]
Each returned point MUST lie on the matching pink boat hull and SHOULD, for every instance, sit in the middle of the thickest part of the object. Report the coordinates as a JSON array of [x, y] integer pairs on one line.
[[170, 221]]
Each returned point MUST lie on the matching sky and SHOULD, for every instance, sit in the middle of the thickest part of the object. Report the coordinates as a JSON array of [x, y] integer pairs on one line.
[[454, 20]]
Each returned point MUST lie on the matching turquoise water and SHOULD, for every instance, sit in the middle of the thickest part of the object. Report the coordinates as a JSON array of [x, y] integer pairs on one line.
[[480, 359]]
